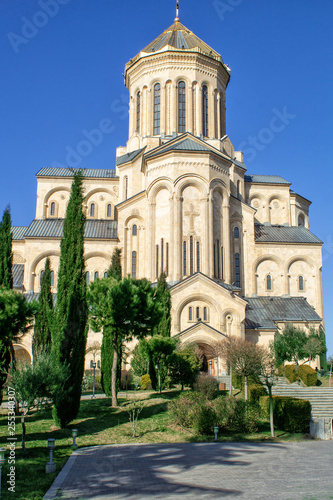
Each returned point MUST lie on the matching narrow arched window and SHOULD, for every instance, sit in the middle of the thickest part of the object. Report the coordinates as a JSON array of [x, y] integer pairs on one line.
[[205, 314], [157, 263], [41, 278], [191, 255], [52, 278], [198, 257], [92, 210], [138, 110], [301, 221], [181, 107], [105, 274], [162, 254], [96, 276], [198, 313], [109, 210], [236, 232], [184, 258], [205, 110], [237, 269], [301, 283], [126, 187], [52, 212], [87, 278], [268, 282], [134, 264], [134, 230], [190, 314], [157, 108]]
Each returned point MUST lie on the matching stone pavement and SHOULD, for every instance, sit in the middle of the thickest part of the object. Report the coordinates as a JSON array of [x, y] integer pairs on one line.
[[279, 471]]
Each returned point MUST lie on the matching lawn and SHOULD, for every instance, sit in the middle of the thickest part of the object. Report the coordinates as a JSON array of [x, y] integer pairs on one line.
[[98, 424]]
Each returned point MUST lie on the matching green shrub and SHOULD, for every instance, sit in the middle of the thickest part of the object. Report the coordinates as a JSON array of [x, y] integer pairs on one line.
[[145, 382], [185, 408], [255, 391], [235, 415], [290, 373], [290, 414], [308, 375], [205, 419], [207, 385]]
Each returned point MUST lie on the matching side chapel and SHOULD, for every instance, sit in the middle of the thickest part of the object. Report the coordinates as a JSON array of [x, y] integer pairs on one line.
[[236, 247]]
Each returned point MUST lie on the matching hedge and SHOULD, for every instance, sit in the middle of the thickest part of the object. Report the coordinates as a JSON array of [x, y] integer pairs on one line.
[[255, 392], [290, 414], [308, 375], [290, 373]]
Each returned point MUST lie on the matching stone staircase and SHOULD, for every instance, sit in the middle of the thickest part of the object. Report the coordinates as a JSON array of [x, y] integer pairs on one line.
[[321, 398]]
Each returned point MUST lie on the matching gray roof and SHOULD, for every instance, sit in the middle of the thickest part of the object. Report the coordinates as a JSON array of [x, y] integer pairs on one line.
[[284, 234], [30, 296], [266, 179], [18, 232], [128, 156], [98, 173], [230, 288], [186, 144], [53, 228], [262, 311], [18, 274]]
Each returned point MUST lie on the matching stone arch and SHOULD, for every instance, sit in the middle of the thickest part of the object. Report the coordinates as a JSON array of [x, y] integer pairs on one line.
[[97, 254], [276, 196], [98, 190], [192, 298], [36, 261], [220, 185], [260, 260], [157, 185], [131, 217], [300, 219], [50, 193], [22, 354], [187, 180], [297, 258]]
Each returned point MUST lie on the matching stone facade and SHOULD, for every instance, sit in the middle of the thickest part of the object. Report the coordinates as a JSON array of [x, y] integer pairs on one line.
[[180, 202]]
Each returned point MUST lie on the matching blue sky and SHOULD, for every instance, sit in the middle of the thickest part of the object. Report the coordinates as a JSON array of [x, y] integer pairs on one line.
[[61, 71]]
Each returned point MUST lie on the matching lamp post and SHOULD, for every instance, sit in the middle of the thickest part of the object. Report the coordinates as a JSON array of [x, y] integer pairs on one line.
[[94, 368], [50, 466], [2, 462], [74, 435], [216, 431]]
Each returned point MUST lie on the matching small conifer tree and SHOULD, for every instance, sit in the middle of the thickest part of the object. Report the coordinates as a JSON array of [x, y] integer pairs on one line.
[[115, 272], [6, 256], [69, 331], [164, 300], [43, 320]]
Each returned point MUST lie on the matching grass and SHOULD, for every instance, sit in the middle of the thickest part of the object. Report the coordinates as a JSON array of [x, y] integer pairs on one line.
[[99, 424]]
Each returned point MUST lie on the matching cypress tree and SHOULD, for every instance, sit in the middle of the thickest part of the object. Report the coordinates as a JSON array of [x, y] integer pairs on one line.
[[69, 332], [114, 271], [6, 256], [115, 268], [42, 329], [164, 300]]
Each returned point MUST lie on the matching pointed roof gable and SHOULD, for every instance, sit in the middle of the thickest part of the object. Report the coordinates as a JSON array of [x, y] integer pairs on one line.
[[187, 143]]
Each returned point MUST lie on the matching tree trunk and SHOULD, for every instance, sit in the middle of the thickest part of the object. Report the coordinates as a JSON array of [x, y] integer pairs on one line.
[[23, 436], [271, 418], [245, 384], [114, 403], [230, 389]]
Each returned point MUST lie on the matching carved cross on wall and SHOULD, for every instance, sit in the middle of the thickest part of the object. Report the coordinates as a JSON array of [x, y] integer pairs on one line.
[[192, 213]]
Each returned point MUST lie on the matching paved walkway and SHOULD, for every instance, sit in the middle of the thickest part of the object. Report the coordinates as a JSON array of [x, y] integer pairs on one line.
[[186, 471]]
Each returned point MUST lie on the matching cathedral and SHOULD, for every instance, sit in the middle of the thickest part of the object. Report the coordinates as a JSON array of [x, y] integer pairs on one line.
[[236, 247]]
